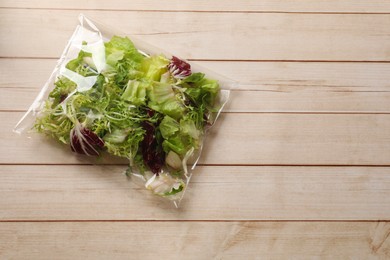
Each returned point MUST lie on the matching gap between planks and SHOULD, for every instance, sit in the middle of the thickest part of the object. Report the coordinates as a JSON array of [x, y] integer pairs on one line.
[[195, 220], [223, 60], [270, 112], [195, 11], [207, 164]]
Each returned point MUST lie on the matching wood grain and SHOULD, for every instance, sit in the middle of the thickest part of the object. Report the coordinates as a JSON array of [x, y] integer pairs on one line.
[[78, 192], [346, 6], [302, 171], [259, 139], [287, 87], [217, 240], [221, 36]]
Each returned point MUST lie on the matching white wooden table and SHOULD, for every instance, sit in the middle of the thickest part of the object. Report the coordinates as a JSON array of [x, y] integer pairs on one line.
[[297, 167]]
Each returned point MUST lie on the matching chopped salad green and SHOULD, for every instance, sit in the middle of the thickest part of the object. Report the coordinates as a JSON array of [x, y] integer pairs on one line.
[[149, 109]]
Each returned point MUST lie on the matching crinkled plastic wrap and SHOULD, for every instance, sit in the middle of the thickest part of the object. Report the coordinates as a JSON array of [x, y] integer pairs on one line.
[[95, 103]]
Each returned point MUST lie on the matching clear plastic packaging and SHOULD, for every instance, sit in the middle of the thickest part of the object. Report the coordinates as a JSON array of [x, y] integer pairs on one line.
[[131, 105]]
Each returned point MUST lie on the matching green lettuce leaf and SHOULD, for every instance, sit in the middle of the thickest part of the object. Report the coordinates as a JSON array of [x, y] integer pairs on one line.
[[124, 59], [204, 92], [161, 93], [135, 92], [163, 99], [117, 136], [83, 64], [154, 67], [168, 127], [187, 127], [120, 47], [177, 143], [194, 78]]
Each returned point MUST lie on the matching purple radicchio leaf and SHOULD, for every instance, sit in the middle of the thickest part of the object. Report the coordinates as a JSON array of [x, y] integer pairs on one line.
[[152, 153], [85, 141], [179, 68]]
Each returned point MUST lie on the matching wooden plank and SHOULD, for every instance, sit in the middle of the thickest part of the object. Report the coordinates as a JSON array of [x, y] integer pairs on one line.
[[78, 192], [260, 139], [226, 36], [347, 6], [217, 240], [265, 86], [264, 100]]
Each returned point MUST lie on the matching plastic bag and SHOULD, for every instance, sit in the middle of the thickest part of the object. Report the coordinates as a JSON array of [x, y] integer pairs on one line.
[[109, 94]]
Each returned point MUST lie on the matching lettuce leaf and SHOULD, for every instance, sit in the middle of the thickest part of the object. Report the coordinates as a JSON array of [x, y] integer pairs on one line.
[[177, 143], [161, 93], [154, 67], [168, 127], [187, 127], [120, 47], [125, 60], [135, 92], [204, 92], [163, 99]]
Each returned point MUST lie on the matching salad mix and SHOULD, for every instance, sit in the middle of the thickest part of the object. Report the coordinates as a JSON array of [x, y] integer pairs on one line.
[[150, 109]]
